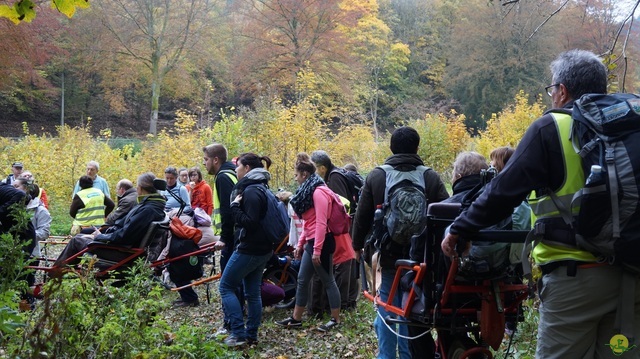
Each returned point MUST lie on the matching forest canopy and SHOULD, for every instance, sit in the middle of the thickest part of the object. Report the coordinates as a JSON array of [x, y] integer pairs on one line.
[[131, 65]]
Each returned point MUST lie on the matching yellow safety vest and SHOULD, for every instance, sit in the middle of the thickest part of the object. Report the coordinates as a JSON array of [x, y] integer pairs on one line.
[[216, 219], [544, 208], [93, 211]]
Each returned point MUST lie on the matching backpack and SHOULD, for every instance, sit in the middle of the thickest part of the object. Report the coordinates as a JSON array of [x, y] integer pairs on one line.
[[339, 220], [354, 185], [404, 211], [275, 222], [606, 132]]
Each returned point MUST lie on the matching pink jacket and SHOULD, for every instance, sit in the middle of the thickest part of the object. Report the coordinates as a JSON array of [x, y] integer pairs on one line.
[[315, 222]]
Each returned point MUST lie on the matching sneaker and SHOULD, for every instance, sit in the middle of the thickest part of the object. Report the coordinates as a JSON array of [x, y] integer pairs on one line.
[[233, 341], [219, 335], [252, 341], [289, 323], [328, 326], [182, 304]]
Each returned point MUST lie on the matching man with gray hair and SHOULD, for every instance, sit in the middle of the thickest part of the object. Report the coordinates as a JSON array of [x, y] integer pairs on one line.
[[579, 294], [98, 182]]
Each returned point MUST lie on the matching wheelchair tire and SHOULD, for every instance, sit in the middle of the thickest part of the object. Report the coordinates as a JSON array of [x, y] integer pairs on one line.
[[289, 284], [461, 344]]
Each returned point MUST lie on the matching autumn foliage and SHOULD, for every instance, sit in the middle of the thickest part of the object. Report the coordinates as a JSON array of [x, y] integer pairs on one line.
[[272, 129]]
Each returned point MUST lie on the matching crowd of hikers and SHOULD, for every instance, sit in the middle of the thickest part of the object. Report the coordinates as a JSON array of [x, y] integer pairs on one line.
[[574, 180]]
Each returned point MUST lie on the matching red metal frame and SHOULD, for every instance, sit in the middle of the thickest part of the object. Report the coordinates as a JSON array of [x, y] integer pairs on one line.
[[450, 289]]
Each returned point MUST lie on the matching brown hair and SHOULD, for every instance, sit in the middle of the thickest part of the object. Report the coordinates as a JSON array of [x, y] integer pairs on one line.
[[197, 171], [500, 156], [216, 150], [254, 161], [304, 164]]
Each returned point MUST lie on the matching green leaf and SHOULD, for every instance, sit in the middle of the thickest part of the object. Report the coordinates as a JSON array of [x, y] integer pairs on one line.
[[25, 10], [68, 7]]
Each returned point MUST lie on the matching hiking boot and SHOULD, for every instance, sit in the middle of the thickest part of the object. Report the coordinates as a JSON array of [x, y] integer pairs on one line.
[[289, 323], [233, 341], [182, 304], [328, 326]]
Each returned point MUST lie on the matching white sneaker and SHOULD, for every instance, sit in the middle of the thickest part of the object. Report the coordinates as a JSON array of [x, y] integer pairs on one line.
[[166, 280]]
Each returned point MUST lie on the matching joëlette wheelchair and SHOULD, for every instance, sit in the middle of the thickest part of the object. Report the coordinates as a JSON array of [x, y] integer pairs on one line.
[[112, 260], [468, 315]]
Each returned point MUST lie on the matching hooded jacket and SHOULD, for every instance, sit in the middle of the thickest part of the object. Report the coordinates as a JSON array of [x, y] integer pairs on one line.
[[373, 195], [130, 229], [248, 214]]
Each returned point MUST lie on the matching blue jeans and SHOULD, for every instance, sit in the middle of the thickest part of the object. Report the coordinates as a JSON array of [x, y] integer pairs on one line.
[[389, 345], [243, 269]]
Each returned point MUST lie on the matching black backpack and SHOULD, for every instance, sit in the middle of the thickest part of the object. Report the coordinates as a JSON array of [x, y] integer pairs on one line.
[[354, 186], [606, 132], [275, 222]]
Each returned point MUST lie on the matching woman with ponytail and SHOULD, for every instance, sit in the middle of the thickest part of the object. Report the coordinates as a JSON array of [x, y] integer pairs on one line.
[[312, 203], [246, 264]]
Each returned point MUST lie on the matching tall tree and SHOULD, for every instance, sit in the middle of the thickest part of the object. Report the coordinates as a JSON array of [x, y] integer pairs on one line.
[[492, 56], [156, 33], [282, 37], [384, 60]]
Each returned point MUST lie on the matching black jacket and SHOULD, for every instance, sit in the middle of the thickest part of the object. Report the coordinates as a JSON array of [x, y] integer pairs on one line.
[[224, 186], [337, 182], [8, 197], [461, 187], [130, 229], [247, 216], [373, 195], [537, 164]]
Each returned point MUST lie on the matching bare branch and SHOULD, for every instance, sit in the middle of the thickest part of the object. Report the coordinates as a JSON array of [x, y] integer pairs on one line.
[[546, 20]]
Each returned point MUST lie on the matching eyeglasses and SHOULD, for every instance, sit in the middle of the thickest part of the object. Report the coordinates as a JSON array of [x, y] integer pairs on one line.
[[549, 88]]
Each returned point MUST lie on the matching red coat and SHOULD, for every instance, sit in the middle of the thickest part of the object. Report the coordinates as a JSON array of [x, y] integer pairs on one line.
[[202, 197]]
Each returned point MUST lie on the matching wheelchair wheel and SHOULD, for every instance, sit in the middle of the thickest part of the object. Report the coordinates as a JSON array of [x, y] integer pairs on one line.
[[461, 344], [287, 280]]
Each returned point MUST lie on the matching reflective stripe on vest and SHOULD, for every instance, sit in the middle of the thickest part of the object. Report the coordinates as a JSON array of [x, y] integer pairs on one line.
[[543, 207], [93, 211], [216, 219]]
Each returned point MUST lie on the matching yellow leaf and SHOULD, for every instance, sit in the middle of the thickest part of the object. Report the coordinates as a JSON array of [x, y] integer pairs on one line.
[[10, 13], [67, 7]]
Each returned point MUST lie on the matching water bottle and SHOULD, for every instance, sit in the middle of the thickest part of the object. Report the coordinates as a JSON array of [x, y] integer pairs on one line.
[[378, 214], [596, 177], [595, 204], [378, 227]]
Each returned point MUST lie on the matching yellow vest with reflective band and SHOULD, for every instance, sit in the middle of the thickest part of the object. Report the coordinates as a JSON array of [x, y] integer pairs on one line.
[[216, 219], [543, 207], [93, 211]]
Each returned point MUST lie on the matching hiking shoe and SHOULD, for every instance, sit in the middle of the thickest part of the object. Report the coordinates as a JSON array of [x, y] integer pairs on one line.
[[182, 304], [219, 335], [233, 341], [289, 323], [223, 331], [328, 325]]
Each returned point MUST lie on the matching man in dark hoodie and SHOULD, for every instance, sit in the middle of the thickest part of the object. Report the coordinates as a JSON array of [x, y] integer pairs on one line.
[[215, 161], [404, 146], [128, 230]]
